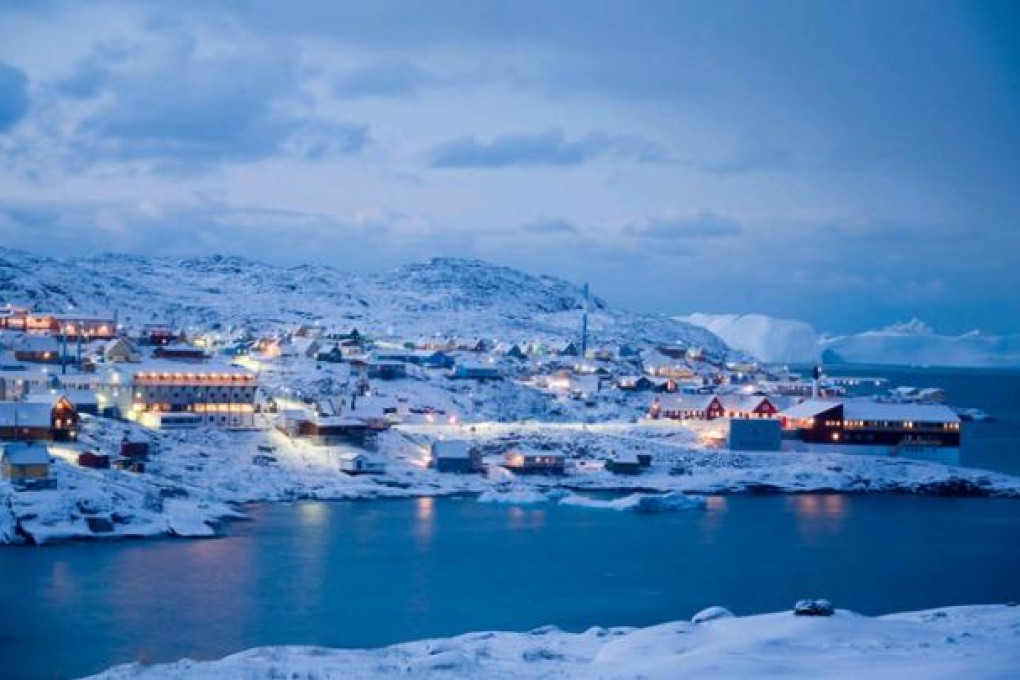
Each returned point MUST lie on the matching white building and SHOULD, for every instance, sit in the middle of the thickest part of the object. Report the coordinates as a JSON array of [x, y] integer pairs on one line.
[[173, 394]]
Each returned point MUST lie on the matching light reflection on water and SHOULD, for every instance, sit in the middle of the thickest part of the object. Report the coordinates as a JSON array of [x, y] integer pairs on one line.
[[818, 514], [367, 574], [523, 517]]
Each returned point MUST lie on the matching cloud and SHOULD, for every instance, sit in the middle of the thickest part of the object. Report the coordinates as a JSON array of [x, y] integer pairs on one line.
[[550, 226], [389, 79], [703, 226], [13, 96], [187, 105], [751, 156], [542, 148]]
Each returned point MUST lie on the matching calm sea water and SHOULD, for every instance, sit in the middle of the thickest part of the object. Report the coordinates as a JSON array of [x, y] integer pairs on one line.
[[354, 574], [373, 573]]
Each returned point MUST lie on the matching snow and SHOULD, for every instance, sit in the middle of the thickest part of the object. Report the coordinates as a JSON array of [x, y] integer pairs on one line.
[[638, 502], [915, 344], [195, 478], [513, 497], [443, 296], [779, 341], [954, 642]]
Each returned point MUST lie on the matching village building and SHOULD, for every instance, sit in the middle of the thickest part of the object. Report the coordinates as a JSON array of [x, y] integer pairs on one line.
[[180, 351], [357, 463], [382, 369], [83, 401], [688, 407], [454, 456], [921, 431], [73, 326], [171, 394], [473, 371], [120, 349], [748, 406], [628, 463], [156, 334], [134, 445], [528, 462], [26, 464], [42, 349], [47, 420], [322, 430]]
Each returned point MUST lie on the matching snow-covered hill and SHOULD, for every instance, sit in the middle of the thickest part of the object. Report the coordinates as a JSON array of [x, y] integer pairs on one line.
[[911, 343], [463, 298]]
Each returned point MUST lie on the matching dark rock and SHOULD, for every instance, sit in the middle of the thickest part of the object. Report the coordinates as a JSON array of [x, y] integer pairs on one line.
[[813, 608]]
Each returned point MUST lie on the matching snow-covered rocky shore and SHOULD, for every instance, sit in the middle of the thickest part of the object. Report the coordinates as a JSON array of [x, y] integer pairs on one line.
[[197, 478], [954, 642]]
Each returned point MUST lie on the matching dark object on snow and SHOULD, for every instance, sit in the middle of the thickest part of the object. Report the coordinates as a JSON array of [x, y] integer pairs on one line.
[[134, 446], [96, 461], [813, 608]]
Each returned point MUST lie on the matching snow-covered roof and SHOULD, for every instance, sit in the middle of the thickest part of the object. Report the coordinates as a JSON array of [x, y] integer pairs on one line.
[[451, 448], [38, 343], [696, 402], [24, 414], [809, 408], [25, 453], [170, 366], [882, 411]]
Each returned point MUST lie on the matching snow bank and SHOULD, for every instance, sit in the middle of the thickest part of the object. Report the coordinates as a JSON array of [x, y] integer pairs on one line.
[[515, 496], [638, 502], [956, 642]]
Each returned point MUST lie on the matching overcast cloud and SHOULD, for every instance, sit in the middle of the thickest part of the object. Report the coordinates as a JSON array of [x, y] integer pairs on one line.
[[852, 164]]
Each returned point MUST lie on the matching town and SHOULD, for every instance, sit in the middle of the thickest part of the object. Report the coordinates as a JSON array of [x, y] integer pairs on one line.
[[89, 403]]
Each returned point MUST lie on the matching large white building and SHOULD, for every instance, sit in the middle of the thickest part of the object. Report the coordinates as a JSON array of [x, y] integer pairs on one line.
[[174, 394]]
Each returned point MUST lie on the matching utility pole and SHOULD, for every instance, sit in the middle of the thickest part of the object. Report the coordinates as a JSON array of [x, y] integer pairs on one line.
[[584, 324]]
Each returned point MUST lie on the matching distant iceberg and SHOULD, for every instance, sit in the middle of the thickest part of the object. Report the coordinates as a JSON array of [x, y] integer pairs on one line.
[[911, 342]]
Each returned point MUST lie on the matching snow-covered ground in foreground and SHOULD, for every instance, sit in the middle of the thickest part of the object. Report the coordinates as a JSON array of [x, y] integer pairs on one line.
[[955, 642], [912, 343]]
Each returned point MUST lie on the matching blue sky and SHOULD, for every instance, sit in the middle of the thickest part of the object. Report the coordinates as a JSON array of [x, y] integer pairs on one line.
[[848, 163]]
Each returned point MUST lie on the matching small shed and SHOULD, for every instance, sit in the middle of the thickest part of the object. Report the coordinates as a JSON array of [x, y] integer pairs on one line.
[[96, 461], [627, 463], [453, 455], [25, 461], [355, 463], [134, 446]]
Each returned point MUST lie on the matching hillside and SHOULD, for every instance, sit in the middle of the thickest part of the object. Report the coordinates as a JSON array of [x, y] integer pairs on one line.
[[440, 296]]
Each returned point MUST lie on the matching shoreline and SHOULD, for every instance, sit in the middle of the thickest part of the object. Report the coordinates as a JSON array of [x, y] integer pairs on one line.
[[199, 478]]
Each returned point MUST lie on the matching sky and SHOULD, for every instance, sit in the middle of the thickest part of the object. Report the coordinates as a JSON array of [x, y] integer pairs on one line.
[[853, 164]]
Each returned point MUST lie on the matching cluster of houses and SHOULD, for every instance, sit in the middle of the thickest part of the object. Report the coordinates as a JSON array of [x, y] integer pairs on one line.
[[56, 367]]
